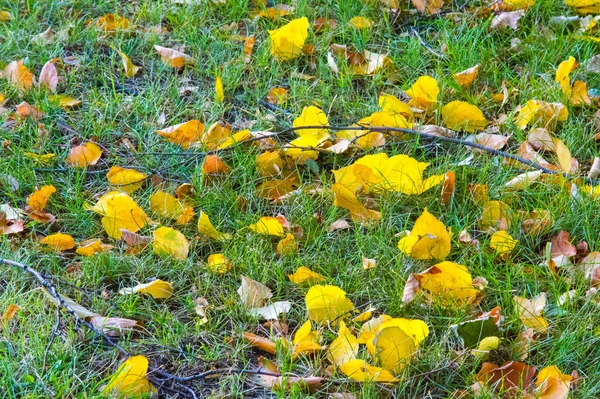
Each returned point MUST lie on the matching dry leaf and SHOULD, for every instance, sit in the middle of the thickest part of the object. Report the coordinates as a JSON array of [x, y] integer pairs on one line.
[[252, 293], [173, 58], [49, 76], [157, 289]]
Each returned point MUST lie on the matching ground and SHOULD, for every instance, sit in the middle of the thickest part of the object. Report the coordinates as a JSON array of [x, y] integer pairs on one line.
[[40, 358]]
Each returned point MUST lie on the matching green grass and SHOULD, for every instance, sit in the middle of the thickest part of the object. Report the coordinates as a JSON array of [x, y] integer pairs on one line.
[[77, 363]]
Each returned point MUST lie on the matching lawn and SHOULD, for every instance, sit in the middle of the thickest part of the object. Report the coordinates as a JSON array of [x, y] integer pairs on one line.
[[47, 352]]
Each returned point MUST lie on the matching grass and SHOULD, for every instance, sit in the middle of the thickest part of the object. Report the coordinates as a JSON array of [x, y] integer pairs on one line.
[[76, 364]]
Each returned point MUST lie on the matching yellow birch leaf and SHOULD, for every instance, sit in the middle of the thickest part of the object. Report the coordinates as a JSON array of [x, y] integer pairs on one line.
[[64, 101], [449, 283], [312, 116], [424, 93], [563, 154], [128, 180], [268, 226], [218, 263], [287, 42], [219, 91], [287, 245], [459, 115], [170, 207], [360, 370], [359, 22], [344, 198], [579, 94], [502, 242], [39, 198], [119, 211], [429, 239], [303, 274], [59, 242], [130, 379], [91, 247], [185, 134], [584, 6], [84, 155], [235, 138], [530, 312], [536, 112], [344, 348], [130, 69], [393, 105], [393, 347], [466, 78], [157, 289], [173, 58], [562, 74], [170, 242], [111, 22], [327, 303], [205, 227]]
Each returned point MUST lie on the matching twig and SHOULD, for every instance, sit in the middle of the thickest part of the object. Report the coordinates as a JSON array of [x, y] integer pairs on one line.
[[414, 32], [53, 335]]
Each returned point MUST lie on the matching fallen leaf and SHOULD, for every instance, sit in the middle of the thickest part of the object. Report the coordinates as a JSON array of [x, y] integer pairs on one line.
[[344, 347], [268, 226], [111, 22], [219, 91], [271, 311], [185, 134], [252, 293], [466, 78], [130, 69], [359, 23], [287, 42], [277, 96], [530, 312], [128, 180], [495, 215], [18, 76], [510, 377], [536, 112], [218, 263], [49, 77], [119, 211], [448, 187], [368, 263], [91, 247], [448, 283], [261, 343], [360, 370], [584, 6], [424, 93], [303, 274], [130, 379], [429, 239], [170, 242], [59, 242], [206, 228], [173, 58], [64, 101], [344, 198], [327, 303], [503, 243], [84, 155], [507, 19], [26, 110], [9, 313], [551, 383], [157, 289], [339, 224], [170, 207], [523, 180], [428, 6], [114, 326]]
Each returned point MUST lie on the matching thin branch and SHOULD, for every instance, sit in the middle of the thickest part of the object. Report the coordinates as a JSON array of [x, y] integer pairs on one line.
[[414, 32]]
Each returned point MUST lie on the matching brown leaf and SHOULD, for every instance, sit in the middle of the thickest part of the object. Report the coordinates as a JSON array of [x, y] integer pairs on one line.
[[321, 24], [252, 293], [495, 141], [511, 376], [561, 245], [114, 326], [429, 6], [49, 76], [339, 224], [541, 139], [12, 226], [448, 187], [25, 110], [507, 19], [411, 288]]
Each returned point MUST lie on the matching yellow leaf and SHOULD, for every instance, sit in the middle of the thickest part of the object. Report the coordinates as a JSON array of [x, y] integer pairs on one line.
[[213, 165], [219, 91], [18, 76], [5, 16], [44, 159], [306, 340], [429, 239], [217, 133], [431, 6], [59, 241], [361, 23], [269, 163], [170, 242], [584, 6], [119, 211], [287, 42], [234, 139], [157, 289], [378, 173], [502, 242], [170, 207], [449, 283], [91, 247], [303, 274], [393, 105], [579, 94], [466, 78], [327, 303], [287, 245], [459, 115], [268, 226], [424, 93], [496, 215], [393, 348], [344, 348], [110, 22], [173, 58], [540, 112], [64, 101], [485, 346], [206, 228], [562, 74], [301, 154], [130, 69], [184, 134], [218, 263], [344, 198], [128, 180], [361, 371], [84, 155], [130, 379], [552, 383], [530, 312], [39, 198], [519, 4], [312, 116], [563, 154]]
